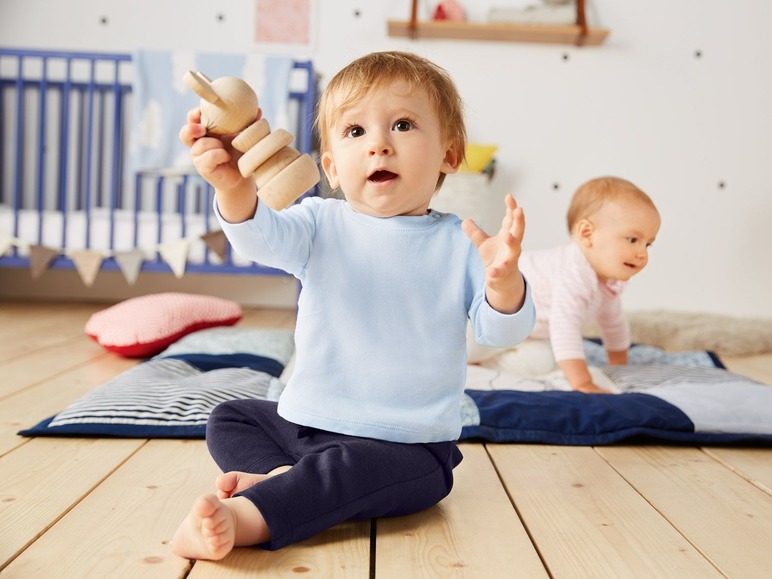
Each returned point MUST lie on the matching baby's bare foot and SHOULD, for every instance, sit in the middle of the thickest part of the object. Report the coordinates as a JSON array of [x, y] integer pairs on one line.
[[208, 532], [230, 483]]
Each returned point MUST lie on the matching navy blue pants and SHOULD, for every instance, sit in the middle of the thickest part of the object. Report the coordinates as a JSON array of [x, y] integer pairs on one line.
[[334, 477]]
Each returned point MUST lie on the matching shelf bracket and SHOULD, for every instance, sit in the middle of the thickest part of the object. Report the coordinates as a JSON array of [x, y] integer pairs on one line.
[[581, 22], [413, 26]]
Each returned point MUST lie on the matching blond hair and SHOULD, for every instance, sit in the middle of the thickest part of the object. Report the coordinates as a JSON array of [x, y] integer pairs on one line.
[[595, 193], [369, 72]]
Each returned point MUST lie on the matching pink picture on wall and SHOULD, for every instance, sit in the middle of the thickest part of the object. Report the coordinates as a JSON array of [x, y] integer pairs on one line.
[[283, 22]]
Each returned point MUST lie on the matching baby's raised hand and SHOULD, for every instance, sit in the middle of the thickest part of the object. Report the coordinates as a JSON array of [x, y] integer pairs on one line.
[[213, 157], [500, 253]]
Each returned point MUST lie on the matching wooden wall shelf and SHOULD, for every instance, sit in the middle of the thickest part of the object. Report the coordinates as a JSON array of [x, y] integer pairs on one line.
[[498, 31]]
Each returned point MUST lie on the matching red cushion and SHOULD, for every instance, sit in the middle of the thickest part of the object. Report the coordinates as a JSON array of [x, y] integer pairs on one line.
[[143, 326]]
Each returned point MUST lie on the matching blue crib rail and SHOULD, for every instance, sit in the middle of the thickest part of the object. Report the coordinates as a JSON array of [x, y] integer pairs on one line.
[[64, 138]]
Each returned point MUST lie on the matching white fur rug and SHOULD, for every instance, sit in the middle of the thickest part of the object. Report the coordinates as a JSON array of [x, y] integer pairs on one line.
[[685, 331]]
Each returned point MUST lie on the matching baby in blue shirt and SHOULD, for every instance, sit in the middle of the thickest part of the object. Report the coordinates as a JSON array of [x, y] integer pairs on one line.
[[368, 422]]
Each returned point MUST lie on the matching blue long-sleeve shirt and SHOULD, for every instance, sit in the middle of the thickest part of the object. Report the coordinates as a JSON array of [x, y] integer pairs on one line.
[[381, 324]]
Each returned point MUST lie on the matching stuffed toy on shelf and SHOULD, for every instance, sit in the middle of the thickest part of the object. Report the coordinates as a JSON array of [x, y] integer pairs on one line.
[[449, 10]]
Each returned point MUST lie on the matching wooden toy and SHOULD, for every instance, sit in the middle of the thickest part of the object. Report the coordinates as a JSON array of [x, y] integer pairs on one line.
[[229, 106]]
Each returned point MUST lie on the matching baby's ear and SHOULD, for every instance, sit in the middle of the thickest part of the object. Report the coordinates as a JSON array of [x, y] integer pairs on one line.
[[328, 164], [452, 160], [583, 232]]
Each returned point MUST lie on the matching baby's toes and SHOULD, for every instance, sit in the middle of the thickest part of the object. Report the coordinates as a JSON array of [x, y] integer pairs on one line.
[[226, 485]]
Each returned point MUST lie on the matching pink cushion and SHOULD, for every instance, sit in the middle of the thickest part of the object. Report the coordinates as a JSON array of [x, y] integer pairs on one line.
[[143, 326]]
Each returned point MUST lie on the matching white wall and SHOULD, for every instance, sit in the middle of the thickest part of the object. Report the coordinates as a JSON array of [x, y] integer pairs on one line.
[[695, 132]]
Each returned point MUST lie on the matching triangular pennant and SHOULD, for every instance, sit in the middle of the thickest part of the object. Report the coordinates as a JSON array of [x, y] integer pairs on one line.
[[217, 242], [87, 263], [130, 263], [175, 253], [6, 242], [40, 257]]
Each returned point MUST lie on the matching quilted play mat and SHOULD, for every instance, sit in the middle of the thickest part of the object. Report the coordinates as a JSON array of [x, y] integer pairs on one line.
[[686, 398]]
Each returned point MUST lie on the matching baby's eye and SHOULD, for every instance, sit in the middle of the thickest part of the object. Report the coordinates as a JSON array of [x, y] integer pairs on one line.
[[402, 125], [632, 240], [354, 131]]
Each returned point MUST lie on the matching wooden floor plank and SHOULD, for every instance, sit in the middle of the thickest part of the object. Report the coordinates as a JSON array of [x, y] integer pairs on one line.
[[727, 518], [268, 318], [587, 521], [474, 532], [753, 464], [26, 327], [29, 406], [44, 363], [44, 479], [124, 527], [342, 552], [758, 367]]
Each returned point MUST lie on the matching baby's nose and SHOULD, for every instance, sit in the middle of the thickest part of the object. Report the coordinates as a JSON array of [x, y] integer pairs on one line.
[[379, 145]]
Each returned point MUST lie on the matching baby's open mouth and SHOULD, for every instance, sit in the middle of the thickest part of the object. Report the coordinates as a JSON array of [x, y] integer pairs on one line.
[[381, 176]]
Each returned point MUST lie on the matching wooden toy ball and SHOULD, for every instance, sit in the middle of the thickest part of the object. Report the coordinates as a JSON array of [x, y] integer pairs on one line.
[[229, 106]]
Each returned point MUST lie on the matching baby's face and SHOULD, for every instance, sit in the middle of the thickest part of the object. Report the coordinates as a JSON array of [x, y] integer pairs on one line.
[[386, 152], [619, 244]]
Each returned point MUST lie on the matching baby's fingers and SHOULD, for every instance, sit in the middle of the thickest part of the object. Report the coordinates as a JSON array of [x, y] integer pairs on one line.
[[473, 232], [208, 153], [194, 116], [193, 130], [517, 228], [514, 220]]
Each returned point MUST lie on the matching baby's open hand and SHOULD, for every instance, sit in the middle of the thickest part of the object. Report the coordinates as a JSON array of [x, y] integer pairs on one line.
[[500, 254]]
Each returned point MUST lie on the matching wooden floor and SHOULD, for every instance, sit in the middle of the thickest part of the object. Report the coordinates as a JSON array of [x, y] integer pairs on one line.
[[75, 508]]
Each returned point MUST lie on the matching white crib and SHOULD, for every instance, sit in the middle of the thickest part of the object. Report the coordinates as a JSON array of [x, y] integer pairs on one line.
[[66, 189]]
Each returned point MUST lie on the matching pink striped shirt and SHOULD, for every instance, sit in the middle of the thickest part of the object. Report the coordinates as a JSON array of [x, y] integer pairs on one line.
[[567, 292]]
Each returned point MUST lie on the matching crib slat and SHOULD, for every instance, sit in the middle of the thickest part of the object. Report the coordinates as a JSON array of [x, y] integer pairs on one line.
[[307, 102], [64, 150], [18, 147], [115, 166], [89, 150], [41, 164]]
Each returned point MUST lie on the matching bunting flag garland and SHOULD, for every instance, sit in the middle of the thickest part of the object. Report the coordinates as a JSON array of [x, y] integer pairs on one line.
[[89, 262], [40, 257], [6, 243], [217, 242], [130, 263], [175, 253]]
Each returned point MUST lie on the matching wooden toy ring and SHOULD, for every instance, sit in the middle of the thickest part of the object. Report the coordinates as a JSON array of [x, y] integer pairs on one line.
[[252, 135], [274, 165], [281, 191], [259, 153]]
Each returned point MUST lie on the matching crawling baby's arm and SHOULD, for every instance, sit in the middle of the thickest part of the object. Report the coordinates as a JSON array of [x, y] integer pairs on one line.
[[578, 376]]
